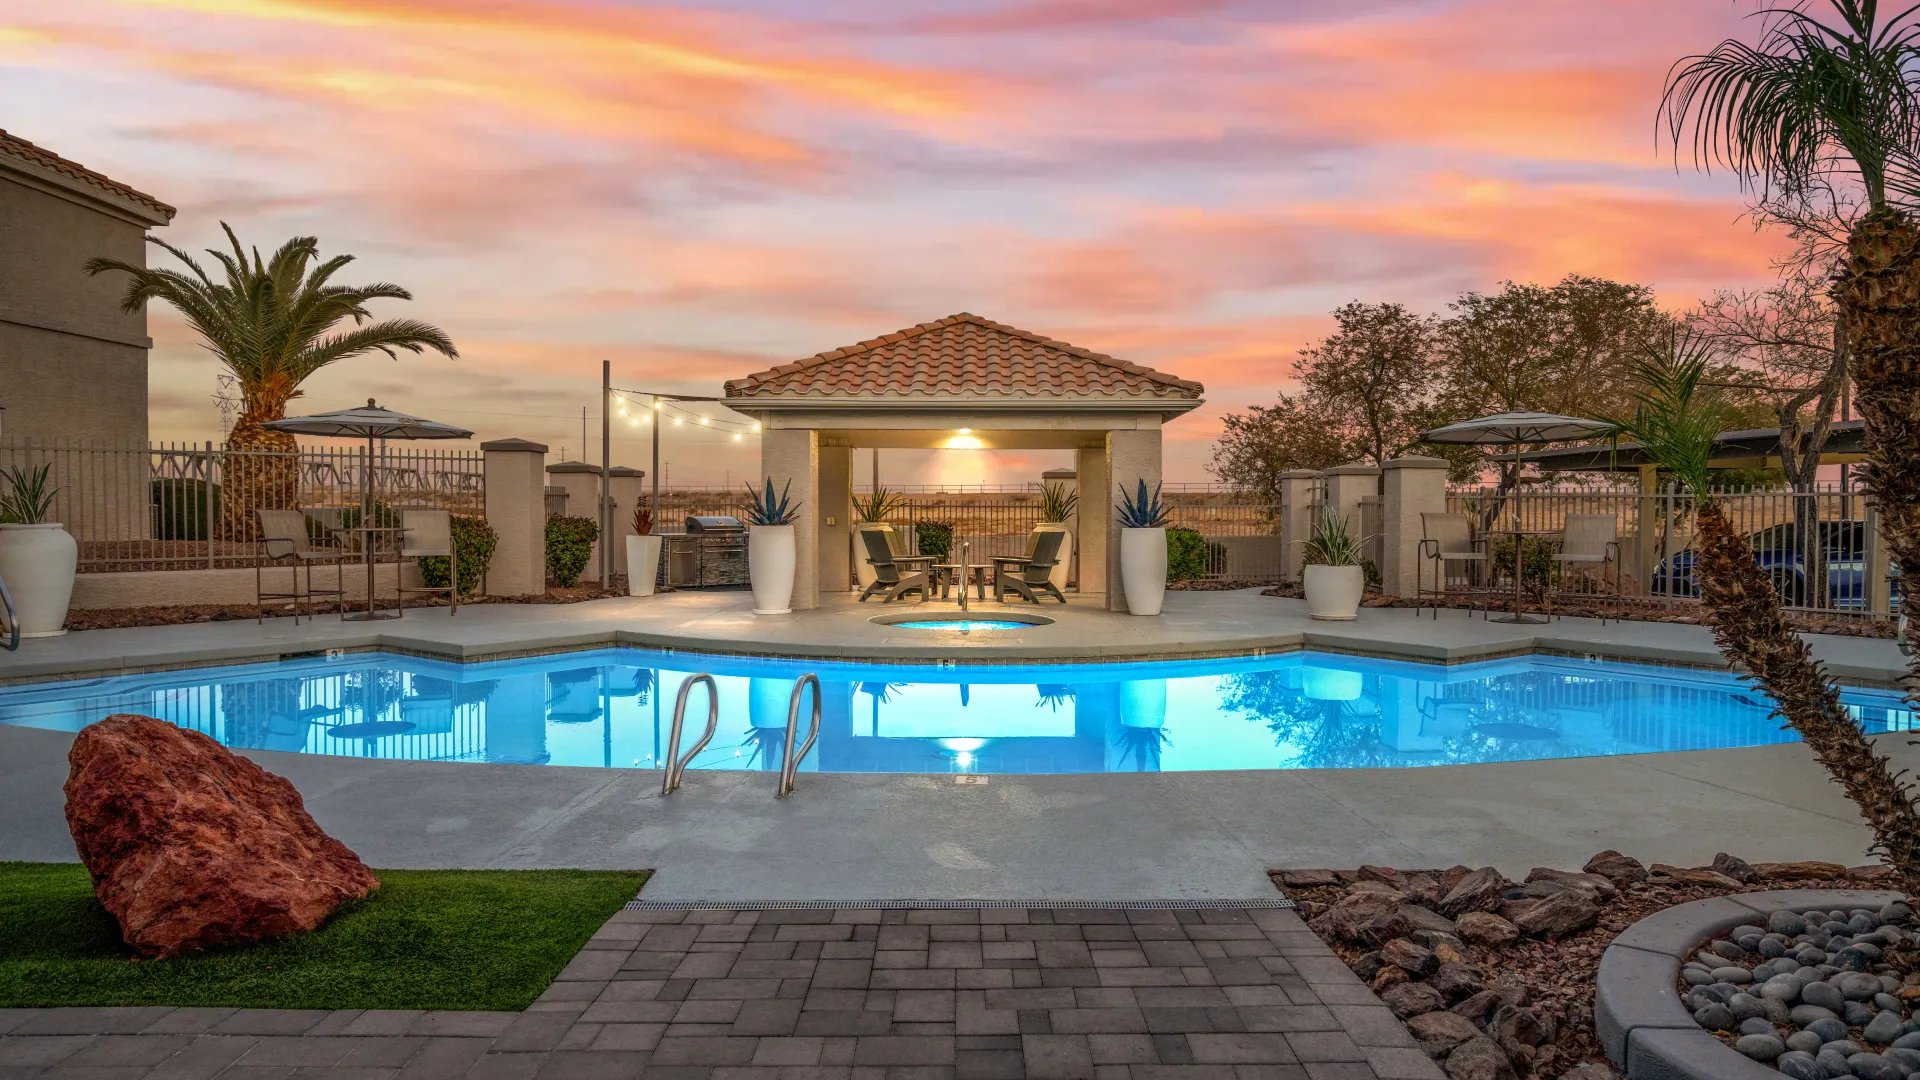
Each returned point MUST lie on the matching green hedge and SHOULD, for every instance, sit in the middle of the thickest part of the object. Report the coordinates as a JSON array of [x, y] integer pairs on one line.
[[473, 544], [934, 538], [1186, 555], [180, 508], [569, 545]]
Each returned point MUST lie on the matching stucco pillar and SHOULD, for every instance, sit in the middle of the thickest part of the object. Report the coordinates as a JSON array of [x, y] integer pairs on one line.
[[1410, 487], [1346, 486], [1296, 519], [1133, 455], [793, 454], [627, 489], [1096, 506], [836, 512], [516, 508]]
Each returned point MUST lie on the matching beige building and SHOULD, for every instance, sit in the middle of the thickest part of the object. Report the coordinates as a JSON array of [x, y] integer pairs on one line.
[[73, 366]]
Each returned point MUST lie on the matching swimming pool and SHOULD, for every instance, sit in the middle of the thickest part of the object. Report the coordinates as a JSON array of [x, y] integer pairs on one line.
[[612, 708]]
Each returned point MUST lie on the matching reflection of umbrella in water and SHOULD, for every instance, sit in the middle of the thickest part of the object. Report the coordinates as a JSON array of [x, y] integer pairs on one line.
[[1517, 429]]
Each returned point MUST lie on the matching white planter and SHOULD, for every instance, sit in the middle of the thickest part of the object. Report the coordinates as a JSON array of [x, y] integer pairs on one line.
[[37, 563], [1143, 569], [862, 569], [1059, 574], [770, 561], [1332, 684], [1333, 592], [643, 564]]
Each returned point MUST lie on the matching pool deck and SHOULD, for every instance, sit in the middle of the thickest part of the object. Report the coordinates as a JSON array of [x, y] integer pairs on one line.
[[846, 836]]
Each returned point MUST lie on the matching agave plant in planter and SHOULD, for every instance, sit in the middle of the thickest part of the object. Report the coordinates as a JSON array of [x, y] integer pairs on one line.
[[1143, 549], [770, 548], [1335, 575], [643, 553], [37, 556], [873, 511], [1058, 505]]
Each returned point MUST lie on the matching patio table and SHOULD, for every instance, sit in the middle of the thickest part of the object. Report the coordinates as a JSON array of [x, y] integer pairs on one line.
[[976, 571], [371, 536]]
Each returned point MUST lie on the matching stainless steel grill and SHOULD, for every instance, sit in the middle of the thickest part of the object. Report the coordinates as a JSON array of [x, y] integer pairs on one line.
[[712, 551]]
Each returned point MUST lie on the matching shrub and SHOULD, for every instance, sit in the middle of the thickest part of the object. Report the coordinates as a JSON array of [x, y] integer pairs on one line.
[[569, 544], [180, 508], [1536, 563], [1186, 555], [384, 516], [934, 538], [473, 544]]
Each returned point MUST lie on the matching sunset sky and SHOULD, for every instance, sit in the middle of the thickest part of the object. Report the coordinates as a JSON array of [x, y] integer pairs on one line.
[[699, 191]]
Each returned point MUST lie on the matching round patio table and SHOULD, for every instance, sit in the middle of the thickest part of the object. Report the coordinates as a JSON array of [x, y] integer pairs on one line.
[[370, 535]]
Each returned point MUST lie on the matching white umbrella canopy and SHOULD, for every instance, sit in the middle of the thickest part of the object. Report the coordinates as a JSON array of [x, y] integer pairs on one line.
[[1517, 428], [368, 422]]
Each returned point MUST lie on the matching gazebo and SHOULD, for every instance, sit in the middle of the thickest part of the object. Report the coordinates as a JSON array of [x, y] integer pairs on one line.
[[962, 382]]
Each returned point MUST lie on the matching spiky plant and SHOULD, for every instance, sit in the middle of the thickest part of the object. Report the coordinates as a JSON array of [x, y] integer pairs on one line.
[[28, 498], [1816, 106], [1057, 504], [1142, 510], [1675, 426], [878, 504], [1332, 545], [766, 508]]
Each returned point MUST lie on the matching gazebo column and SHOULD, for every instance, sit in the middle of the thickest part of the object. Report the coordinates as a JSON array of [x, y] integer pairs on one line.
[[1096, 510], [1133, 455], [793, 454], [836, 510]]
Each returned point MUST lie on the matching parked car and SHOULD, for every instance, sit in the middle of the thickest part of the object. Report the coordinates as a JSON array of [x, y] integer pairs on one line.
[[1777, 550]]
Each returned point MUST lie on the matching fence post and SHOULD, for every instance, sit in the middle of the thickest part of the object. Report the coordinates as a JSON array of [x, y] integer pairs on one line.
[[1296, 519], [1411, 486], [211, 507], [515, 491]]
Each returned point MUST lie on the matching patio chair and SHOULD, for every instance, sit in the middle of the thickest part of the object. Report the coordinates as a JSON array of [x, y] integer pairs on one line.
[[894, 574], [429, 534], [1025, 574], [284, 535], [1588, 542], [1447, 542]]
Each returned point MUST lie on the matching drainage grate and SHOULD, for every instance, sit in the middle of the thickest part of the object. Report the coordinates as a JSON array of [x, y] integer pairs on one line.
[[956, 905]]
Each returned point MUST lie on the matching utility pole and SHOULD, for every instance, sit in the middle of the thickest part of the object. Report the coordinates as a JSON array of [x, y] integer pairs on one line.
[[655, 421], [605, 516]]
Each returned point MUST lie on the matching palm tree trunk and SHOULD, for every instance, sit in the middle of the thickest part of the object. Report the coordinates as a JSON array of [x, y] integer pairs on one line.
[[1879, 294], [260, 471], [1752, 631]]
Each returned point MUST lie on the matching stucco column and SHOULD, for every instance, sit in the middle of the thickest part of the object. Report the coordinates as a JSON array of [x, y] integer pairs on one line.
[[516, 508], [627, 489], [793, 454], [1133, 455], [836, 512], [1411, 486], [1296, 519], [1096, 506], [1346, 485]]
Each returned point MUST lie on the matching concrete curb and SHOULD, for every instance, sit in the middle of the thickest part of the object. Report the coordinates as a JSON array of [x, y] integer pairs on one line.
[[1644, 1027]]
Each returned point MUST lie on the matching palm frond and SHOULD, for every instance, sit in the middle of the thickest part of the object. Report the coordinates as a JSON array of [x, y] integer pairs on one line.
[[1674, 423]]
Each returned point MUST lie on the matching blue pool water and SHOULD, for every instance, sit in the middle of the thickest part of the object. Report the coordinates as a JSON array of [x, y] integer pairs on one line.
[[963, 625], [613, 708]]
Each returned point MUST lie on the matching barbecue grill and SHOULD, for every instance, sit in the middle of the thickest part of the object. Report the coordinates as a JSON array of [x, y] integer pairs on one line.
[[712, 550]]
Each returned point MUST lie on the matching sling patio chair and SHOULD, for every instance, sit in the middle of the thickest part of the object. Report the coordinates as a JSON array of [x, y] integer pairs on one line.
[[1026, 573], [284, 535], [895, 575], [1458, 565], [428, 534], [1588, 542]]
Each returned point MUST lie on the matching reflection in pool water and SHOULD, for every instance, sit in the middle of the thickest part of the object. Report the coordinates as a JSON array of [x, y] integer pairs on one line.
[[612, 708]]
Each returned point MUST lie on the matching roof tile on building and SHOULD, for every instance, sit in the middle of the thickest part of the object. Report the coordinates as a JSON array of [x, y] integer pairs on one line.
[[962, 356], [16, 147]]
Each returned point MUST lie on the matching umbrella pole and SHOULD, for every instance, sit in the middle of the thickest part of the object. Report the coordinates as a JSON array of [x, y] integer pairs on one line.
[[1519, 557]]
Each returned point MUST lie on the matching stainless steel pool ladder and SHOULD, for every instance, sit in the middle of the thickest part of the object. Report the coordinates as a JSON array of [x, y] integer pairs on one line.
[[12, 641], [966, 572], [676, 766], [789, 760]]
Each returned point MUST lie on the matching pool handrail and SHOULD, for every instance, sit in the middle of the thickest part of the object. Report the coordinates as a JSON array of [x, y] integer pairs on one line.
[[676, 766], [790, 761], [12, 641]]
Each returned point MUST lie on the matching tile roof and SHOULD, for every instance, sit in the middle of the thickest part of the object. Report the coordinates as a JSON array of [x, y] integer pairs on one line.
[[962, 356], [16, 147]]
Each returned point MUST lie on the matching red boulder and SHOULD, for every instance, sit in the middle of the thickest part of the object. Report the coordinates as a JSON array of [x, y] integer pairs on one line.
[[193, 848]]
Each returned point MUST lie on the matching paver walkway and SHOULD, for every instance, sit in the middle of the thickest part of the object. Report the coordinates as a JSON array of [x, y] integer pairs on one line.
[[923, 994]]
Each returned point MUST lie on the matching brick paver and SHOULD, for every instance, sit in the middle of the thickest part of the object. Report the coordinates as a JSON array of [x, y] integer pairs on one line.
[[847, 994]]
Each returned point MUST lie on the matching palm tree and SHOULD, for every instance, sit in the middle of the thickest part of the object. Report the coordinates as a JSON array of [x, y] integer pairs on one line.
[[272, 323], [1815, 104], [1675, 427]]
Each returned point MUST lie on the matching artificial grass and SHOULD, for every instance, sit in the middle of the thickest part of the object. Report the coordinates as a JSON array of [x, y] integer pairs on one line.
[[426, 939]]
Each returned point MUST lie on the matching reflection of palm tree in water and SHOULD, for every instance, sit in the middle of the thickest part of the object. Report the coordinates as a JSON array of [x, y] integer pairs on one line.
[[764, 746], [373, 692], [880, 692], [1053, 695], [259, 709], [1143, 744]]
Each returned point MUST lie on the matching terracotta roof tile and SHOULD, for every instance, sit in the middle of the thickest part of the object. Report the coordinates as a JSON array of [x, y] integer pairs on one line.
[[962, 355], [14, 146]]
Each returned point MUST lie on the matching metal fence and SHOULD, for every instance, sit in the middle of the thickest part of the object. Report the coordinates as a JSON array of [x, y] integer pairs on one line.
[[178, 506], [1822, 548]]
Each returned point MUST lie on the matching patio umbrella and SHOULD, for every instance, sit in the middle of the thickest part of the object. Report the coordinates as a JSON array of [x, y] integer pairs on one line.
[[1517, 429], [369, 422]]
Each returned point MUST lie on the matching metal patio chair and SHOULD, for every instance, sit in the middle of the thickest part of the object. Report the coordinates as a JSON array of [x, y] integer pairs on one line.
[[429, 534], [1024, 574], [895, 575], [284, 535], [1447, 542], [1588, 542]]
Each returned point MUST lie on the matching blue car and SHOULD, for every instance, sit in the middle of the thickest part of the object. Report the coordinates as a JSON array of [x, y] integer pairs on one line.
[[1777, 550]]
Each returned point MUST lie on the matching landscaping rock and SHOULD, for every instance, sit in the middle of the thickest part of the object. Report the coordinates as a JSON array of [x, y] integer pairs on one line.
[[1798, 871], [191, 847], [1868, 1066], [1882, 1029], [1799, 1065], [1477, 1006], [1786, 922], [1386, 875], [1308, 879], [1683, 876], [1760, 1047], [1597, 884], [1409, 957], [1426, 919], [1513, 1027], [1736, 868], [1385, 927], [1439, 1032], [1479, 1059], [1345, 919], [1486, 928], [1456, 981], [1590, 1071], [1558, 916], [1479, 890], [1411, 998], [1617, 868]]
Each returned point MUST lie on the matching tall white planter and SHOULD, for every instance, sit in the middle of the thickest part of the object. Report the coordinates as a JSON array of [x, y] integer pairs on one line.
[[1333, 592], [643, 564], [37, 563], [1143, 569], [1059, 574], [770, 562], [863, 575]]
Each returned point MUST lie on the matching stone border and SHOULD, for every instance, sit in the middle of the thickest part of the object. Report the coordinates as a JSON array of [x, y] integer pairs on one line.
[[900, 618], [1643, 1025]]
